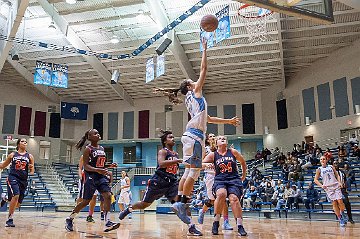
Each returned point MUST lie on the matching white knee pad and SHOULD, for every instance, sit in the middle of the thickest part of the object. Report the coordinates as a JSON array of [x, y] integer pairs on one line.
[[186, 174], [194, 173]]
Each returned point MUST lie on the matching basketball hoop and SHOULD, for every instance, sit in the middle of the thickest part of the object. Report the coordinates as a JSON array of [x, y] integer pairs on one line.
[[255, 19]]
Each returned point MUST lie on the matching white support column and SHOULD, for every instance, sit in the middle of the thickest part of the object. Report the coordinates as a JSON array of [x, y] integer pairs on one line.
[[16, 13]]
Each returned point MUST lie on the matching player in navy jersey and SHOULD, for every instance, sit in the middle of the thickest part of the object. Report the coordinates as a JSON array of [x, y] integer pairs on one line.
[[164, 181], [227, 182], [96, 178], [20, 164]]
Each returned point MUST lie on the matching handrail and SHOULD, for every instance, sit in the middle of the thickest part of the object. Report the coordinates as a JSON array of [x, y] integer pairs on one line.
[[51, 170]]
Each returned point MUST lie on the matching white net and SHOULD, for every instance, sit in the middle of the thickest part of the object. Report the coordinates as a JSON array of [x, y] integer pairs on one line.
[[255, 20]]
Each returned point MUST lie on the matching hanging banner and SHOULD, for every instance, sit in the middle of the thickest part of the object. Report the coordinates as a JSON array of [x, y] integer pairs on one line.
[[223, 30], [42, 74], [209, 36], [149, 70], [59, 76], [160, 65]]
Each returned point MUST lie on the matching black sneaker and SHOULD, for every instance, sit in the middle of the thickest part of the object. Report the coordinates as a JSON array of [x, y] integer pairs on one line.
[[102, 216], [111, 226], [90, 219], [69, 225], [124, 213], [215, 228], [10, 223], [241, 230], [351, 221], [3, 201], [193, 231]]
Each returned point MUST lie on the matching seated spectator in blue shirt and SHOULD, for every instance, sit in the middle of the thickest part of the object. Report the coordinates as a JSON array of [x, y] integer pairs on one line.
[[250, 197], [312, 196]]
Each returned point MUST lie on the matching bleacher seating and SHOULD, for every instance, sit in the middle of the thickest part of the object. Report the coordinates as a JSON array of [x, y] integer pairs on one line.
[[40, 200]]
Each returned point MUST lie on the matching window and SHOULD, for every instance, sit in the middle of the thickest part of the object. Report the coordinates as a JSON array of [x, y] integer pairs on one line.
[[130, 154], [109, 151]]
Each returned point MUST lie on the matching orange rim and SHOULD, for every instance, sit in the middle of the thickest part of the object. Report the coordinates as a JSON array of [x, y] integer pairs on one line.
[[248, 5]]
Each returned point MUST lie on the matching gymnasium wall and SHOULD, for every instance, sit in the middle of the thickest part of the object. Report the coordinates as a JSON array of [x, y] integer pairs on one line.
[[336, 71]]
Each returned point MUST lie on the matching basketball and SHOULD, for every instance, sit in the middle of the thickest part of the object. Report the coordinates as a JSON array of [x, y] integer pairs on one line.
[[209, 23]]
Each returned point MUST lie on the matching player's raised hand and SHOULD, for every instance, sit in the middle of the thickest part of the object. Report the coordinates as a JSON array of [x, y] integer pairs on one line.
[[204, 43], [234, 121]]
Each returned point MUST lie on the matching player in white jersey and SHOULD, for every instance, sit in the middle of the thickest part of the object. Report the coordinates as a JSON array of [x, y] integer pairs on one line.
[[125, 194], [332, 186]]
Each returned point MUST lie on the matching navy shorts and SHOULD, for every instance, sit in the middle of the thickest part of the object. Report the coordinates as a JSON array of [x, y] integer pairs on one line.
[[159, 187], [93, 182], [233, 186], [15, 187]]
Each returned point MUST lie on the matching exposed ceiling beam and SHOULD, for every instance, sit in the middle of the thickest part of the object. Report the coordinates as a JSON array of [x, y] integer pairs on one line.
[[244, 63], [336, 35], [352, 3], [158, 12], [283, 78], [320, 27], [75, 41], [44, 90], [15, 15]]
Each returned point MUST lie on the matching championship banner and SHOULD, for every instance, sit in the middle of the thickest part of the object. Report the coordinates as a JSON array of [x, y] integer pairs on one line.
[[160, 65], [42, 74], [149, 70], [223, 30], [59, 76]]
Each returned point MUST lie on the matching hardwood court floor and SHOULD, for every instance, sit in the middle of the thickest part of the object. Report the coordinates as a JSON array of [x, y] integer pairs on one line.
[[37, 225]]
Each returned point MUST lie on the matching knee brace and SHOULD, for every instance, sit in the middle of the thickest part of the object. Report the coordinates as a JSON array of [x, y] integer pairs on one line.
[[194, 173], [186, 174]]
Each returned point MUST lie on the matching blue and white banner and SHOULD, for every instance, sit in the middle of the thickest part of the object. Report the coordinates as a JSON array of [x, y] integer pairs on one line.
[[150, 74], [59, 76], [42, 74], [209, 36], [75, 111], [223, 30], [160, 65]]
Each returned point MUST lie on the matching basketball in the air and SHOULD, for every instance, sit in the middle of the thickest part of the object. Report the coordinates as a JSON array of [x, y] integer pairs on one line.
[[209, 23]]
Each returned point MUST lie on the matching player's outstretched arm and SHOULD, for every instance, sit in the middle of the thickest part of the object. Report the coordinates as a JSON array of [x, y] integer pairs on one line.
[[209, 158], [165, 163], [316, 179], [7, 161], [32, 164], [203, 69], [216, 120]]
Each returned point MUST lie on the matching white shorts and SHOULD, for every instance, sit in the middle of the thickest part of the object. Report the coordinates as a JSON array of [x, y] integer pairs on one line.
[[333, 192], [193, 149], [125, 197], [209, 182]]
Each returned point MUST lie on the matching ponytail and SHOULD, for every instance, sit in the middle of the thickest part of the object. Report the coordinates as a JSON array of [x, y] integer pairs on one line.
[[82, 141], [171, 93]]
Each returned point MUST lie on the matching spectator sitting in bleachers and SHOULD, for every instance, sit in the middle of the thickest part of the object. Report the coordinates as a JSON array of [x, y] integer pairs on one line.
[[342, 152], [280, 160], [341, 163], [278, 185], [268, 192], [307, 161], [271, 181], [32, 187], [284, 200], [295, 197], [353, 140], [350, 176], [258, 155], [266, 154], [250, 197], [356, 152], [294, 171], [312, 196], [256, 174], [278, 194], [315, 160], [285, 171], [275, 154]]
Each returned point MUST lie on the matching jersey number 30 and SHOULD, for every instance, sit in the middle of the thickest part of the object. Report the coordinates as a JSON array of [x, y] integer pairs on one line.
[[20, 165], [100, 162], [225, 168]]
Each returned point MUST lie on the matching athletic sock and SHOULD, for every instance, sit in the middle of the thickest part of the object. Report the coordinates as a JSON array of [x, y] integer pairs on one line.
[[106, 216], [73, 215], [130, 209], [180, 194], [91, 212], [226, 217], [239, 221], [217, 217], [10, 216]]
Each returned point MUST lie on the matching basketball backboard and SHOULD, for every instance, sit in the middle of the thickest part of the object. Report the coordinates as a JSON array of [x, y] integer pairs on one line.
[[316, 10]]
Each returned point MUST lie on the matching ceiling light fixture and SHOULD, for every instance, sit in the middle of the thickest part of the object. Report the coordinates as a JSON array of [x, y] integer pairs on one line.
[[71, 1], [114, 39]]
